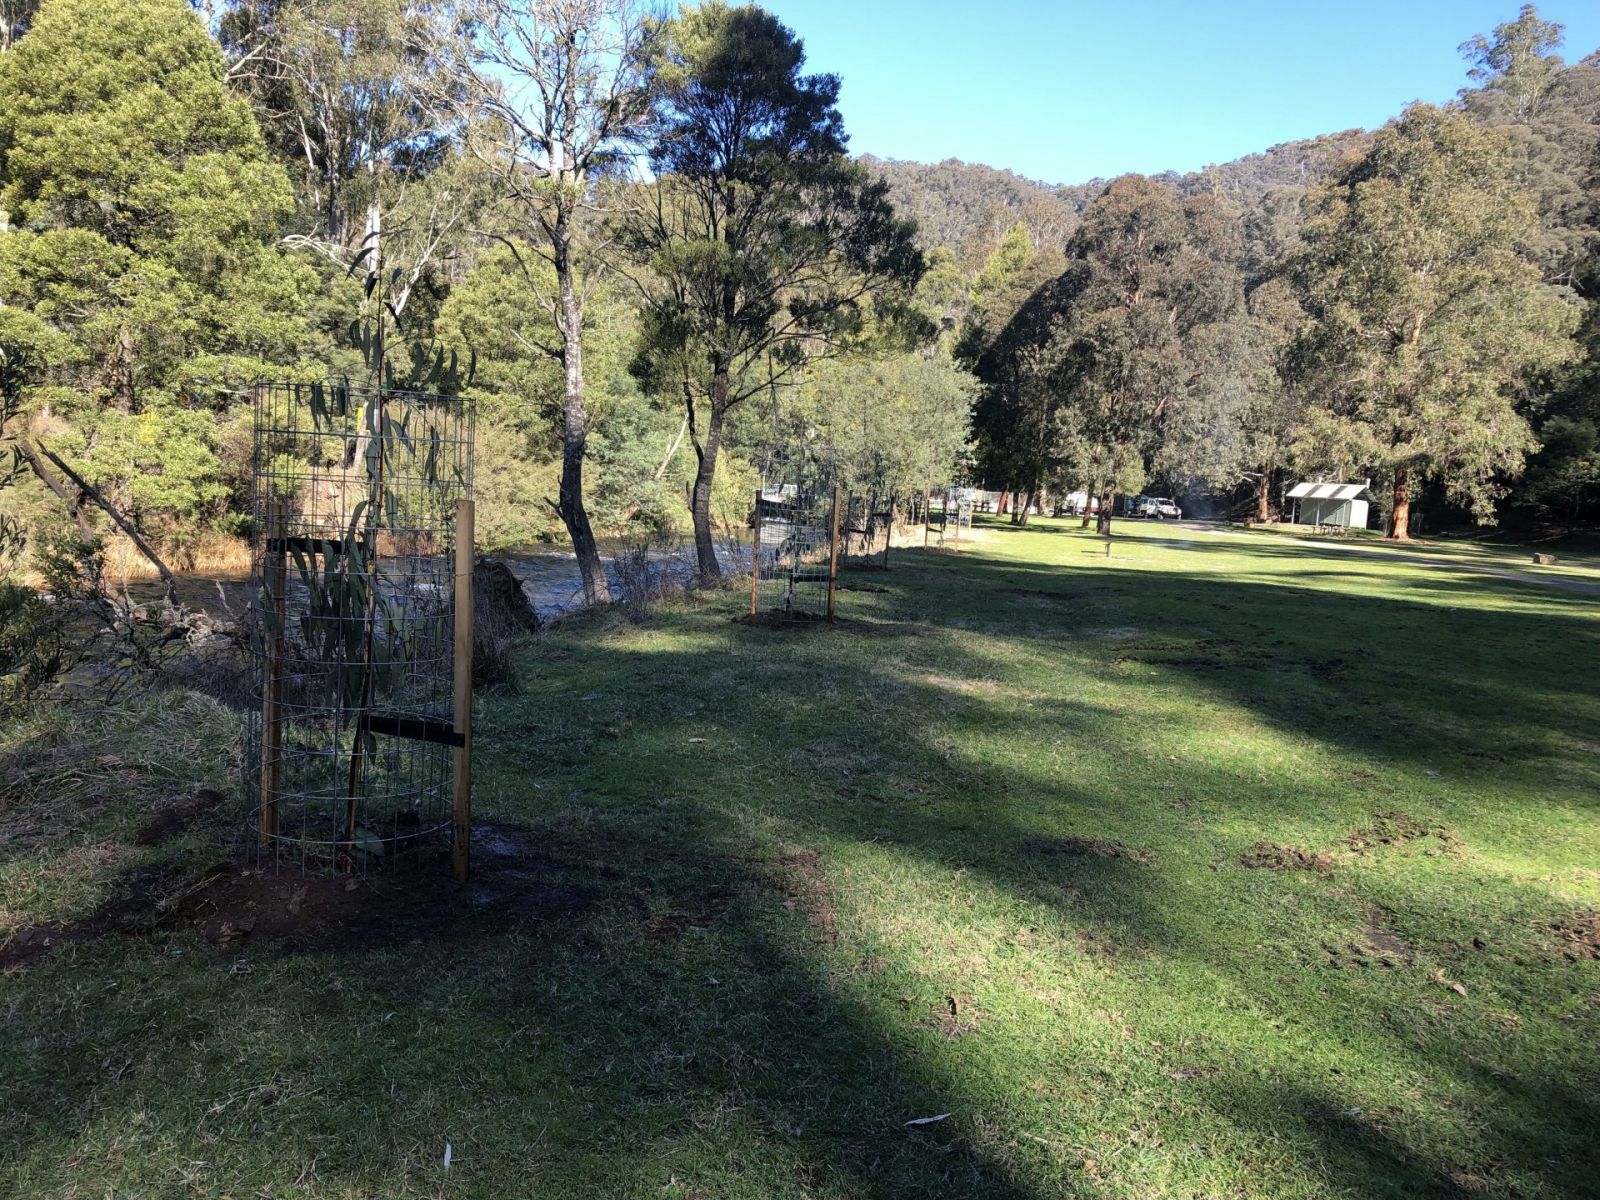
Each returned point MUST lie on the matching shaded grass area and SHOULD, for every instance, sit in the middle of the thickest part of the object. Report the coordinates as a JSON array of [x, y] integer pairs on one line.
[[1212, 868]]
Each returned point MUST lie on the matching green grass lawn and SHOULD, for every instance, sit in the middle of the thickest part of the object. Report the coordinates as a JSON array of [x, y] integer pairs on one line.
[[1217, 867]]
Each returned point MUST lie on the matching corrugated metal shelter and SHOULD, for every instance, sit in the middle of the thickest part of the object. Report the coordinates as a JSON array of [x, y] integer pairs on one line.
[[1340, 504]]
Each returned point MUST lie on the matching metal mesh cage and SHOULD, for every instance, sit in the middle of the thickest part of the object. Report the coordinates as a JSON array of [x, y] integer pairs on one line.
[[866, 528], [795, 554], [353, 745]]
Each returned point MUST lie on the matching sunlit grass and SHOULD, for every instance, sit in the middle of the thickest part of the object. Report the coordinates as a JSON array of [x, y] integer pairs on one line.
[[977, 852]]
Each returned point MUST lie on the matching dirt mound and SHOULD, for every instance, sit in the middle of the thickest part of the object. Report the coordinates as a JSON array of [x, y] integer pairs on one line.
[[1396, 829], [516, 879], [1577, 935], [1273, 857]]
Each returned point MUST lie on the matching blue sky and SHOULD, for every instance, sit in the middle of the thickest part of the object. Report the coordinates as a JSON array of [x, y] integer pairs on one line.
[[1068, 90]]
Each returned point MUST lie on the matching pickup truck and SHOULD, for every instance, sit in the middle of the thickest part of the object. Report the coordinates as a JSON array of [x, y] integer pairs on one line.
[[1159, 508]]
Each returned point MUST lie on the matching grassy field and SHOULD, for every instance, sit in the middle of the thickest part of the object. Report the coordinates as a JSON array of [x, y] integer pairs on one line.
[[1217, 867]]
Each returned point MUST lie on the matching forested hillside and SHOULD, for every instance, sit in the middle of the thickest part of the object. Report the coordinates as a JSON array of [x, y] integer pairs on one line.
[[968, 207]]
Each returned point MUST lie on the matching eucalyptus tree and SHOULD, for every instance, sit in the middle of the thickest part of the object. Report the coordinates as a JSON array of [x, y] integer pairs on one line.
[[758, 243], [339, 88], [1239, 416], [556, 100], [1430, 325], [1148, 274]]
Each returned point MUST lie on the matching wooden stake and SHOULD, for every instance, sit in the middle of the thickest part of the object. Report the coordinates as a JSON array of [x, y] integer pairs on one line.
[[272, 582], [755, 558], [461, 824], [833, 552]]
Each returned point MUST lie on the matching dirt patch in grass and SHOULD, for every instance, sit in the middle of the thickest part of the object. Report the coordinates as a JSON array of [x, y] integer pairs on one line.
[[516, 879], [139, 896], [1576, 936], [1361, 953], [797, 878], [1396, 829], [1380, 937], [1071, 846], [168, 822], [1377, 946], [1273, 857], [669, 927], [955, 1016]]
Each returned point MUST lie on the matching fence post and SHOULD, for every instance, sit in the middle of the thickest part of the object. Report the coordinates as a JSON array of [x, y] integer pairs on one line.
[[833, 552], [273, 574], [461, 694], [755, 559]]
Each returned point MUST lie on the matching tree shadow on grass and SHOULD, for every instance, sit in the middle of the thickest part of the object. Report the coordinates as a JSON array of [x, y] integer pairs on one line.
[[706, 1018], [612, 1009]]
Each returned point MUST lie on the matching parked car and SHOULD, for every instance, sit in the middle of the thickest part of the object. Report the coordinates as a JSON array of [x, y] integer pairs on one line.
[[1159, 508]]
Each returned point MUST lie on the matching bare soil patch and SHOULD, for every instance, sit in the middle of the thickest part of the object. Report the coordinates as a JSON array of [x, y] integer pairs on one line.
[[1273, 857], [1396, 829], [797, 878], [516, 879], [955, 1016], [1576, 936], [788, 622]]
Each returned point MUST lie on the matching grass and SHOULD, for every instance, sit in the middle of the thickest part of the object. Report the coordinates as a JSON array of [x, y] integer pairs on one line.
[[978, 852], [1576, 557]]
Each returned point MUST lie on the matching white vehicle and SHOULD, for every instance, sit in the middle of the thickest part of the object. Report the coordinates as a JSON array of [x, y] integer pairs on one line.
[[1159, 508]]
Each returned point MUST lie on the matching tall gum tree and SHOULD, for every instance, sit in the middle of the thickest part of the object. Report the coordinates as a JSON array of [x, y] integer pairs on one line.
[[560, 90], [1429, 321], [1147, 273], [758, 242]]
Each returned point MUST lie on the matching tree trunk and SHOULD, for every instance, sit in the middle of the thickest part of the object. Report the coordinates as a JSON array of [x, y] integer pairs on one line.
[[1264, 497], [705, 548], [1004, 506], [1088, 508], [1400, 517], [1102, 524], [575, 430], [1019, 512]]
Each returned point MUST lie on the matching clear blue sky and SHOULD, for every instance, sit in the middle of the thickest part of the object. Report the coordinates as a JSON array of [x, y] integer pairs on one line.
[[1066, 90]]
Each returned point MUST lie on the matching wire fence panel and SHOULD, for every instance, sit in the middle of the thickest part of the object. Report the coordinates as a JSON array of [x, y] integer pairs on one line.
[[354, 505]]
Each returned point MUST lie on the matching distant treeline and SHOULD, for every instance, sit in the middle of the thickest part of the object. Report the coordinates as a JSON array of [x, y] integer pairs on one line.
[[1415, 306]]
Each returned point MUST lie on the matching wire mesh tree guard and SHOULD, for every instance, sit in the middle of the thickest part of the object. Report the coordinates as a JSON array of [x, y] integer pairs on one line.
[[866, 525], [794, 554], [361, 606]]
